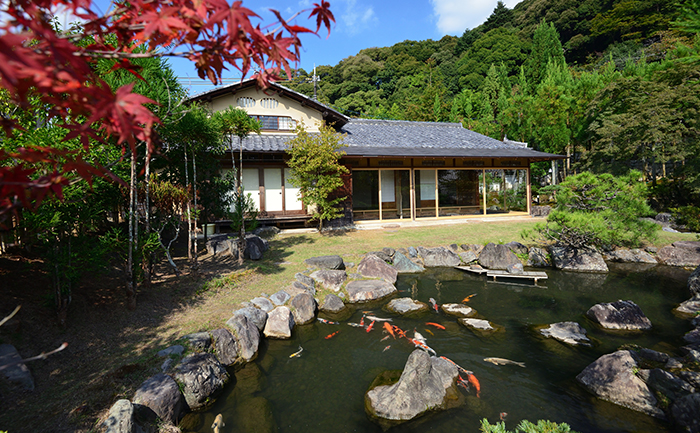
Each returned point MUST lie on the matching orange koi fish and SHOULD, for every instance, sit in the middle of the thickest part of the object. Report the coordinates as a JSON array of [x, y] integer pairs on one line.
[[399, 331], [475, 383], [362, 321], [468, 298], [389, 329], [464, 370], [437, 325], [329, 336], [369, 328]]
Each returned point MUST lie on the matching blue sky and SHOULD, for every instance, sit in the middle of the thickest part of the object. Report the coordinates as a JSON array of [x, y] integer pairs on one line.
[[360, 24]]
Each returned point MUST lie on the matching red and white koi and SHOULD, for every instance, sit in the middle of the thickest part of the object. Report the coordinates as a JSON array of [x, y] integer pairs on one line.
[[386, 348], [434, 304], [422, 345], [356, 325], [327, 322], [385, 338], [329, 336], [371, 325], [362, 321]]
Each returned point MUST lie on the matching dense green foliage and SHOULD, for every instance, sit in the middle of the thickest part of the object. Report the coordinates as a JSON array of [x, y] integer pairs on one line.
[[613, 84], [526, 427], [599, 210], [316, 171]]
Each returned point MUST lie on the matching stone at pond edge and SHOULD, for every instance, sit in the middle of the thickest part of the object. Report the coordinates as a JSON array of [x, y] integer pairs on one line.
[[280, 323], [685, 413], [303, 308], [515, 268], [406, 306], [580, 260], [280, 298], [481, 327], [372, 266], [567, 332], [426, 384], [624, 255], [368, 290], [18, 373], [332, 304], [122, 418], [326, 262], [538, 258], [305, 280], [517, 247], [438, 257], [458, 310], [681, 253], [247, 336], [263, 303], [199, 341], [496, 256], [611, 377], [690, 307], [226, 347], [176, 349], [404, 265], [467, 256], [694, 282], [619, 315], [331, 280], [668, 384], [255, 315], [202, 377], [161, 394], [385, 257]]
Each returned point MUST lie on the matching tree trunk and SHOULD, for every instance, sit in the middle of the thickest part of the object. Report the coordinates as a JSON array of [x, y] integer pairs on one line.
[[130, 281], [195, 263], [147, 265], [187, 209], [241, 235]]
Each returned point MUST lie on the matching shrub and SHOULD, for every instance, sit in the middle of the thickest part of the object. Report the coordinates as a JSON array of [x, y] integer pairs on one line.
[[526, 427]]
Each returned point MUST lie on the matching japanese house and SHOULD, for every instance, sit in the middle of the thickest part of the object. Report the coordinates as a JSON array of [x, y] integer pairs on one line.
[[399, 170]]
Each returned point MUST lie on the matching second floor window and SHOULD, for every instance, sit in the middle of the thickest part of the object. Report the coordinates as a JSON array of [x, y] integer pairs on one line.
[[276, 123]]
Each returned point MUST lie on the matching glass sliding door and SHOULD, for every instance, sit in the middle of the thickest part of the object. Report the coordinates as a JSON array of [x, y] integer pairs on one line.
[[459, 193], [396, 194], [425, 186], [365, 195], [516, 190], [495, 192]]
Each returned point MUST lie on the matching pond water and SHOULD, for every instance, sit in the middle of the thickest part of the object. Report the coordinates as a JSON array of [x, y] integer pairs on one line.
[[323, 389]]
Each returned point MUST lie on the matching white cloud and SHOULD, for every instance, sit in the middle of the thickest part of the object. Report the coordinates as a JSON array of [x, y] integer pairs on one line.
[[355, 17], [455, 16]]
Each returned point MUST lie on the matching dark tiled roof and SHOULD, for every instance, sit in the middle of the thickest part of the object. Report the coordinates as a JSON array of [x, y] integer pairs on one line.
[[397, 138]]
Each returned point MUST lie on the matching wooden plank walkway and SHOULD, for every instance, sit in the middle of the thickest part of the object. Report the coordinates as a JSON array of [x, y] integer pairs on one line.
[[535, 276], [472, 270]]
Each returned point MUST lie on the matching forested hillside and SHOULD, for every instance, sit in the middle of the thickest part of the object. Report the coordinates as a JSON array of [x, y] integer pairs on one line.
[[614, 83]]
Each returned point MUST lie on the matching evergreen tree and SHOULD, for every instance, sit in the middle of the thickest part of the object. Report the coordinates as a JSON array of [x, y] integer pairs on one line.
[[500, 17], [546, 48]]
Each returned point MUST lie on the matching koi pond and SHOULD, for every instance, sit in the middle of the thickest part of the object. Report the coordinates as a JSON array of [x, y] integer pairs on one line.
[[323, 390]]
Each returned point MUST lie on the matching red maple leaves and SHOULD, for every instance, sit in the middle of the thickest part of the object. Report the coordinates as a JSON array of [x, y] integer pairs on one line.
[[37, 60]]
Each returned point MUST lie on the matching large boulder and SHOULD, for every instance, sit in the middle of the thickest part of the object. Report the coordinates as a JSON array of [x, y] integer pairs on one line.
[[332, 280], [280, 298], [404, 265], [226, 348], [625, 255], [467, 256], [303, 308], [372, 266], [481, 327], [280, 323], [667, 384], [619, 315], [123, 418], [406, 306], [681, 253], [458, 310], [326, 262], [161, 394], [368, 290], [263, 303], [332, 304], [694, 282], [228, 244], [611, 377], [383, 255], [253, 314], [567, 332], [247, 336], [201, 377], [517, 247], [685, 412], [691, 307], [578, 259], [439, 257], [306, 281], [538, 258], [426, 384], [496, 256], [17, 373], [199, 341]]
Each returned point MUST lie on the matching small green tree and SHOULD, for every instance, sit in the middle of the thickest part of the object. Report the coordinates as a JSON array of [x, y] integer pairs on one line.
[[235, 121], [316, 170], [599, 210]]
